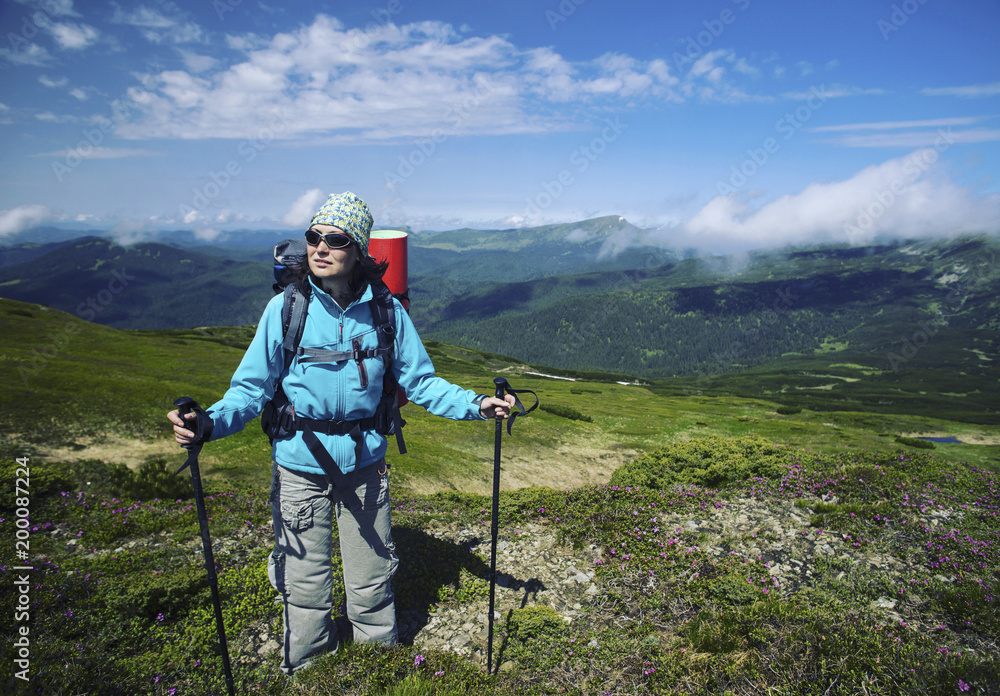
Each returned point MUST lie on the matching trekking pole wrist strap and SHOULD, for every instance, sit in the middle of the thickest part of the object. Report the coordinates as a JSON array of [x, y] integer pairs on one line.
[[503, 387]]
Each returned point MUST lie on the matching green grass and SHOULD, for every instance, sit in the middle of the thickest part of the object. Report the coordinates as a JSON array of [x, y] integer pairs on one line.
[[673, 617]]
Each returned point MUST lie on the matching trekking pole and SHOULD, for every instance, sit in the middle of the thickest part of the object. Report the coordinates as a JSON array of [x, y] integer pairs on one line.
[[184, 406], [502, 387]]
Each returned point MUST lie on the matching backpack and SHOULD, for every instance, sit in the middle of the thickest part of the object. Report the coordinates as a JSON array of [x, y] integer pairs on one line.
[[278, 419]]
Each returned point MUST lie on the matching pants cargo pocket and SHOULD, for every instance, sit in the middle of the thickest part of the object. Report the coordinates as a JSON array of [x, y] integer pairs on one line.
[[276, 571], [297, 516]]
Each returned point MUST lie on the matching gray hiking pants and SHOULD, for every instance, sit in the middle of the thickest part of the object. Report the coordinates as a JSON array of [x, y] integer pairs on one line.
[[300, 567]]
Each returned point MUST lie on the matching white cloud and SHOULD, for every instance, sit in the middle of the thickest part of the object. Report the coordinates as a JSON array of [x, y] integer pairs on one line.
[[390, 83], [207, 234], [102, 153], [49, 117], [304, 207], [832, 92], [157, 27], [78, 93], [893, 125], [909, 134], [911, 139], [56, 8], [49, 82], [904, 197], [32, 54], [197, 63], [73, 36], [988, 90], [128, 232], [22, 218]]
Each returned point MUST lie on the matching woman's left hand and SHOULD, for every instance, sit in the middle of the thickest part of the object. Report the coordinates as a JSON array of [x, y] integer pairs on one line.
[[492, 407]]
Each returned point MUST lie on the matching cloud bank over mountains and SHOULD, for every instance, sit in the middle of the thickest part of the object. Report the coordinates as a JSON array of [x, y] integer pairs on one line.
[[905, 197]]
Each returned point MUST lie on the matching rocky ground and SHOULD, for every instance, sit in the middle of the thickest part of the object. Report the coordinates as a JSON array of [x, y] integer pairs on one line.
[[535, 570]]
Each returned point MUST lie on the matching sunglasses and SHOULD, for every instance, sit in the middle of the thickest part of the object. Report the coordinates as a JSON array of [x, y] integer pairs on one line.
[[334, 240]]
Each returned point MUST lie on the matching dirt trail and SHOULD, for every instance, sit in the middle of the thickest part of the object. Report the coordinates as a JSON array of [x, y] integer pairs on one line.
[[112, 448]]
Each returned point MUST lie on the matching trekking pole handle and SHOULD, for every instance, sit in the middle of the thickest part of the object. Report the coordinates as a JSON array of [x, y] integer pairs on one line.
[[200, 425], [186, 405], [502, 387]]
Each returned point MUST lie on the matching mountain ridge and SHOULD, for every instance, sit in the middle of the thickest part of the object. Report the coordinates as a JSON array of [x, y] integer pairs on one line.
[[919, 316]]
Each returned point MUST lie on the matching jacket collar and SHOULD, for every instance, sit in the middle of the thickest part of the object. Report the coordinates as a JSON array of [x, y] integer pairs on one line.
[[324, 296]]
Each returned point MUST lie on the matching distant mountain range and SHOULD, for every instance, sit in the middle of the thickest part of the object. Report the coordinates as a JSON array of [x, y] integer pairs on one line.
[[179, 281], [592, 296]]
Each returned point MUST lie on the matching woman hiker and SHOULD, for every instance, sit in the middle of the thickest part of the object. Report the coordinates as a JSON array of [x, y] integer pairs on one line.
[[305, 496]]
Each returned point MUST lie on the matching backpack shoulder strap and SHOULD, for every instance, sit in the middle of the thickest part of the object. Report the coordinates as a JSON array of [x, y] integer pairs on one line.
[[293, 320], [384, 316]]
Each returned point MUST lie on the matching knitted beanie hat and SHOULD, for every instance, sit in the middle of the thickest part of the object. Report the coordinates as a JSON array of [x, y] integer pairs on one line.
[[349, 213]]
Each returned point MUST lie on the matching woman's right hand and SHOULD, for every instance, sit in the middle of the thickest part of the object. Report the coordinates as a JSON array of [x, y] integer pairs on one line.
[[182, 435]]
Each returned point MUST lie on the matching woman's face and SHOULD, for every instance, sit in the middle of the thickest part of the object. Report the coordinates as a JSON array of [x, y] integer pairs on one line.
[[329, 264]]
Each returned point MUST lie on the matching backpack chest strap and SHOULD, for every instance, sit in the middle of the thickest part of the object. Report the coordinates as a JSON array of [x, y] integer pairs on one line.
[[315, 355]]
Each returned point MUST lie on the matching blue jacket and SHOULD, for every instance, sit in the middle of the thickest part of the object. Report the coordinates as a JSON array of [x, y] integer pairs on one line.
[[333, 391]]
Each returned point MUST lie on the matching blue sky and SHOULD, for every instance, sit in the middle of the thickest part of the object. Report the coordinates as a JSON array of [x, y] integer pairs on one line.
[[725, 124]]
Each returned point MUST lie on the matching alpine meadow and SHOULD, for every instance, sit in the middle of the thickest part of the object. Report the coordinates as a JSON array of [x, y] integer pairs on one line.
[[280, 283], [732, 470]]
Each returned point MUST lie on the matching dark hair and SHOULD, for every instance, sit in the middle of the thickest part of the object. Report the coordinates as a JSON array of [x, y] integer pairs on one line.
[[366, 271]]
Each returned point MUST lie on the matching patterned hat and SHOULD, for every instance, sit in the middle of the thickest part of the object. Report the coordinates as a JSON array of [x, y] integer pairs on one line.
[[349, 213]]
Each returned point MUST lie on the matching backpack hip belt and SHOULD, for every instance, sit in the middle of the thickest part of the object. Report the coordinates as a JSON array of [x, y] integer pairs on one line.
[[279, 421]]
